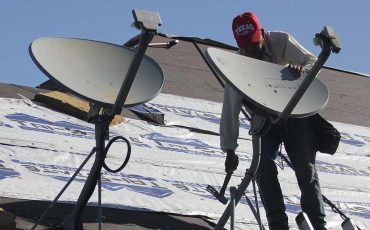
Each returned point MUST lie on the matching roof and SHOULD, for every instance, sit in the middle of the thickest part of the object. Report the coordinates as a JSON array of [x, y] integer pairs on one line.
[[186, 74]]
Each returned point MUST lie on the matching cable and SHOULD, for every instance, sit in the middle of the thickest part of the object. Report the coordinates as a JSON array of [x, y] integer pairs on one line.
[[128, 154]]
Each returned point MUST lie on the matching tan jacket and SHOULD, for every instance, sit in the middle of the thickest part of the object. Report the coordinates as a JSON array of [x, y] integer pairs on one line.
[[280, 48]]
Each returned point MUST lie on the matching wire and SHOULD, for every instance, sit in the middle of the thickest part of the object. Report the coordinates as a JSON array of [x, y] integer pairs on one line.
[[128, 154]]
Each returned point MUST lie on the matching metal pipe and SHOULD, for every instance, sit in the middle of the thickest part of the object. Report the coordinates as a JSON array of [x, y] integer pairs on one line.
[[258, 217], [100, 211], [232, 201], [64, 188], [94, 174], [146, 37], [249, 175]]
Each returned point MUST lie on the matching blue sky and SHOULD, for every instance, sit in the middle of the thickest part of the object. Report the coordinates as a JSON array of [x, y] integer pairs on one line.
[[22, 21]]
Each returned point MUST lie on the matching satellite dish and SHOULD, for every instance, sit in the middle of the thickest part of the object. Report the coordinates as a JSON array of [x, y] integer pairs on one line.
[[96, 70], [111, 77], [266, 85]]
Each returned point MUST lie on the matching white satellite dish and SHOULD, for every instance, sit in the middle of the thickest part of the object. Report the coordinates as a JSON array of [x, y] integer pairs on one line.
[[274, 90], [96, 70], [110, 77], [266, 85]]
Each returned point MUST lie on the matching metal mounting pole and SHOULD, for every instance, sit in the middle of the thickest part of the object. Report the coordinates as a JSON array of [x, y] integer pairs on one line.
[[232, 201], [100, 211], [64, 188], [148, 22], [72, 221], [330, 43], [249, 175]]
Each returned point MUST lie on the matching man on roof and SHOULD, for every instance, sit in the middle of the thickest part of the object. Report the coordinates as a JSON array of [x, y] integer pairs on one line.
[[296, 133]]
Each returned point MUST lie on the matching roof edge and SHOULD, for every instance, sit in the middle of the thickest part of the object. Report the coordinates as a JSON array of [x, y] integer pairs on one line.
[[348, 71], [204, 41]]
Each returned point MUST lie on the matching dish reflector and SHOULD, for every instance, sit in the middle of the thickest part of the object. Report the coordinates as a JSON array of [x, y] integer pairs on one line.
[[266, 85], [96, 70]]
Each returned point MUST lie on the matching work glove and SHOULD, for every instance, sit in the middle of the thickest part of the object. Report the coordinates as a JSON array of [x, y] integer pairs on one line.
[[296, 70], [231, 162]]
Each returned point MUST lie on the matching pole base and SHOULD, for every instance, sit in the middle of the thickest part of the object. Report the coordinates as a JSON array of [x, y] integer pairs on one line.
[[69, 223]]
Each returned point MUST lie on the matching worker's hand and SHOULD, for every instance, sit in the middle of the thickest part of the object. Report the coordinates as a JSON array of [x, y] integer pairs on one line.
[[231, 162], [296, 70]]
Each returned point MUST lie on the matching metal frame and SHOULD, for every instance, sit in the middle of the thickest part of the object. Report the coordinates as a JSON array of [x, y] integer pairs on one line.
[[148, 23], [329, 34], [260, 124]]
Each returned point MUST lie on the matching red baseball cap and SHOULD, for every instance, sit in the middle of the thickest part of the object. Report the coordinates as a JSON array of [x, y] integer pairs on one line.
[[246, 29]]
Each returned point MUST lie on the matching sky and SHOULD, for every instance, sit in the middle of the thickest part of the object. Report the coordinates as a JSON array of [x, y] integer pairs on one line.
[[23, 21]]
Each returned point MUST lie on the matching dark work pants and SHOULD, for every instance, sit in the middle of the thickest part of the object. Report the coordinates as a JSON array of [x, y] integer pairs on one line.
[[299, 141]]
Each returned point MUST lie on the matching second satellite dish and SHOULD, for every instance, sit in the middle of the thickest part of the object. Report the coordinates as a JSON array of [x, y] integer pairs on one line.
[[266, 85], [96, 70]]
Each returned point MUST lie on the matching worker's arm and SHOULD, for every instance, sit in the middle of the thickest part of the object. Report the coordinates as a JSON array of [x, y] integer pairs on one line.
[[229, 126]]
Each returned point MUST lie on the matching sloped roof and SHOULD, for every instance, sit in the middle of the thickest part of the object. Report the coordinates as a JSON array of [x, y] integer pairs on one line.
[[188, 75]]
